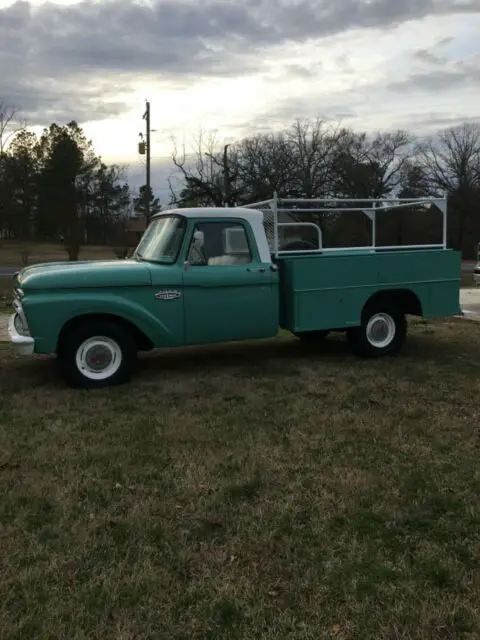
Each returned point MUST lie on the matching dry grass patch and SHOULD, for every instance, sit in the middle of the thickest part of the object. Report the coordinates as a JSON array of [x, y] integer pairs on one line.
[[11, 252], [250, 491]]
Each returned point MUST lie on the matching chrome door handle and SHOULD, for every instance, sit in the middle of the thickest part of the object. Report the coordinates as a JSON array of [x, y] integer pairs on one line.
[[257, 269]]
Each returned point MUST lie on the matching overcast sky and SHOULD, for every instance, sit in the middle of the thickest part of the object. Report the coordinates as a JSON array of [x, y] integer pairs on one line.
[[237, 66]]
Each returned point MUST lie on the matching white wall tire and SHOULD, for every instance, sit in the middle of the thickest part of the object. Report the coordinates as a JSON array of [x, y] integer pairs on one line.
[[97, 354], [99, 357], [382, 331]]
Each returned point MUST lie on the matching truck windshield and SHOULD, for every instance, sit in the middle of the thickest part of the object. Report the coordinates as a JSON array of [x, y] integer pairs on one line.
[[162, 240]]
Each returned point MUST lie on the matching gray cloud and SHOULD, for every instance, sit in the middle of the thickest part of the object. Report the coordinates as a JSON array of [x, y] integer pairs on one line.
[[296, 107], [436, 121], [429, 57], [455, 75], [83, 100], [301, 71], [444, 41], [73, 61], [432, 56]]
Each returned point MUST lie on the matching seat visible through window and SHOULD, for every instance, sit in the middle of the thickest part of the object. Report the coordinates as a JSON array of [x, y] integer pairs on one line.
[[221, 242], [230, 258]]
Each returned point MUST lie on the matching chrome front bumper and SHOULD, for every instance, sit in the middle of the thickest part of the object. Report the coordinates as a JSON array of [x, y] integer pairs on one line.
[[24, 344]]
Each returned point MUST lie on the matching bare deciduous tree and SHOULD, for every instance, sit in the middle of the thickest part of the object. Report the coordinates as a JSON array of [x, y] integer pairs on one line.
[[9, 124], [452, 158], [371, 166], [312, 159], [313, 147], [202, 178], [265, 165], [452, 162]]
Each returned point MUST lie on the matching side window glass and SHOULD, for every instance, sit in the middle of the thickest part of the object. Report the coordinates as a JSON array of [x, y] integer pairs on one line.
[[219, 243]]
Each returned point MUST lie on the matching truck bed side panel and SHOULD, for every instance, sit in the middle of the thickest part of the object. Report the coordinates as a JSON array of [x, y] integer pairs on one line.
[[329, 291]]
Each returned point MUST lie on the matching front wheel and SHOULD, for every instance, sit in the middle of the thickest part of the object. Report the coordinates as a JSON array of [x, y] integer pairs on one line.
[[382, 331], [96, 355]]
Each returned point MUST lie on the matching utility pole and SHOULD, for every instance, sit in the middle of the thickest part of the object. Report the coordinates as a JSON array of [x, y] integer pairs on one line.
[[144, 147], [146, 117]]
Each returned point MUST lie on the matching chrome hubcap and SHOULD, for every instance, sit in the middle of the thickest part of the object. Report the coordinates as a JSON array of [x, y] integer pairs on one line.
[[98, 358], [381, 330]]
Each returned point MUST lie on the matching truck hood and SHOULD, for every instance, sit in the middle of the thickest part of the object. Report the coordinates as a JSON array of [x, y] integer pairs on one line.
[[90, 273]]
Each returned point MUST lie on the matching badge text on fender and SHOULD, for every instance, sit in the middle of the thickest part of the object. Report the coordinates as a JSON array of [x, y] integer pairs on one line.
[[168, 294]]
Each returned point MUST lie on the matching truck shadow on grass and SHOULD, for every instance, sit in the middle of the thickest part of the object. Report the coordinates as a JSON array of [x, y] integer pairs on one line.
[[439, 343], [273, 356]]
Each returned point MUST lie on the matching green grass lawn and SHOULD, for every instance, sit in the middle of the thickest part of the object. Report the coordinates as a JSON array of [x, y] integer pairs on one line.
[[255, 491]]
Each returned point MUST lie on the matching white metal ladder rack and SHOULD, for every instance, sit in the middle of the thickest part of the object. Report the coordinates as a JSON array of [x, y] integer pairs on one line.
[[273, 207]]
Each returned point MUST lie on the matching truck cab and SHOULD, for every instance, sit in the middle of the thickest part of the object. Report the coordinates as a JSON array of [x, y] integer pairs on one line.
[[223, 285], [209, 275]]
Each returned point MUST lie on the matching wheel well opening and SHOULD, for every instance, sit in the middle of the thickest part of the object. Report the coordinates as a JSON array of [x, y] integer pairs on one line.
[[143, 342], [404, 298]]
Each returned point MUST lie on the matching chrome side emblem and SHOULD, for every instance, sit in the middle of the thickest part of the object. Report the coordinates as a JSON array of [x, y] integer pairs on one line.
[[168, 294]]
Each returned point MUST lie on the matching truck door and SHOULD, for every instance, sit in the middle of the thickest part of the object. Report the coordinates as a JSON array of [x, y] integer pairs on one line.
[[229, 294]]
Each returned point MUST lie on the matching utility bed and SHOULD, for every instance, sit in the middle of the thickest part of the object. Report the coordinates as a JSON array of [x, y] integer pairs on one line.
[[327, 287], [330, 290]]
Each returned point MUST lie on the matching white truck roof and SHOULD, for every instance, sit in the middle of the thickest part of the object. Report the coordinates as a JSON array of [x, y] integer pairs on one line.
[[216, 212]]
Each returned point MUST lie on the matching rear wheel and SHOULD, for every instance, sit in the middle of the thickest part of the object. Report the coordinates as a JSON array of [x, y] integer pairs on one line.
[[382, 331], [96, 355]]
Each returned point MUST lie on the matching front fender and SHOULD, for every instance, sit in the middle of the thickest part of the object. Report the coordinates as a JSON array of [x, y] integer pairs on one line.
[[47, 313]]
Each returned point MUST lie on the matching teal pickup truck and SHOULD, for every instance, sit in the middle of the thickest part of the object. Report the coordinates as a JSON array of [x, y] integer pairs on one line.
[[209, 275]]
